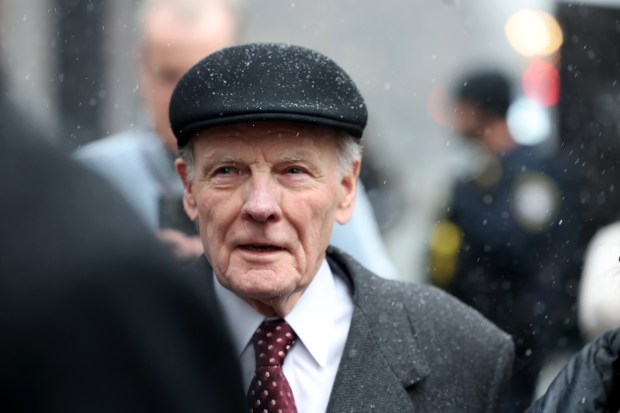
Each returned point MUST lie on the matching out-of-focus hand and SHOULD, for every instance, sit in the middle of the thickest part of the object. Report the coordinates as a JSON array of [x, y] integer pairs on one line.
[[184, 247]]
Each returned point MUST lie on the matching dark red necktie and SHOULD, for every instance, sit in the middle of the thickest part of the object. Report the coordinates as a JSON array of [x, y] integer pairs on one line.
[[269, 391]]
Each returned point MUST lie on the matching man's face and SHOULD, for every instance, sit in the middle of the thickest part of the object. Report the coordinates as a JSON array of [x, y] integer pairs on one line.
[[467, 120], [174, 42], [266, 197]]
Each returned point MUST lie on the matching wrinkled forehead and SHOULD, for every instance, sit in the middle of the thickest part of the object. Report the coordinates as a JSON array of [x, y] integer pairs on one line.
[[290, 140], [297, 132]]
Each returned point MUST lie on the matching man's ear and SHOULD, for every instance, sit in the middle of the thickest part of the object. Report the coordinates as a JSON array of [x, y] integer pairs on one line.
[[348, 186], [189, 202]]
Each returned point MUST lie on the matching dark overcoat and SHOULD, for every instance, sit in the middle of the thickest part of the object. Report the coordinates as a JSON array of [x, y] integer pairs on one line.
[[94, 315]]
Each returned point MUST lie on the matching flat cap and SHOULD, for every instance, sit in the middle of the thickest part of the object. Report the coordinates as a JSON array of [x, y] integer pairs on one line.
[[265, 81]]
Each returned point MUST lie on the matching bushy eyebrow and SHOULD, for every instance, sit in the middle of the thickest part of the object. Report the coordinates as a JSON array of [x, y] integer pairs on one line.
[[214, 158], [226, 158], [293, 158]]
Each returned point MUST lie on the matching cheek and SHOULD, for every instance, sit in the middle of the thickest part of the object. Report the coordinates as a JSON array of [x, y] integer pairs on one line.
[[214, 224], [314, 220], [216, 215]]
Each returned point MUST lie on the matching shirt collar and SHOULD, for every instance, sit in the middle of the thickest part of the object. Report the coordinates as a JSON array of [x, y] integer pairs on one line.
[[311, 318]]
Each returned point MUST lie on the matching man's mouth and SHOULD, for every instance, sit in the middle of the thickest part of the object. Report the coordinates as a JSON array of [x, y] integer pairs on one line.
[[261, 247]]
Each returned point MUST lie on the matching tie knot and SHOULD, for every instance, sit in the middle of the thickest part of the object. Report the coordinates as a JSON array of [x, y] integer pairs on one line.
[[272, 342]]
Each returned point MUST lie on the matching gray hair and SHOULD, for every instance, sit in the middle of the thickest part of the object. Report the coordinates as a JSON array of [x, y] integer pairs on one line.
[[192, 8], [349, 151]]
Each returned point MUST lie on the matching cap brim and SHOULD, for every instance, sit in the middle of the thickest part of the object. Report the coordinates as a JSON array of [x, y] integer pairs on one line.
[[194, 128]]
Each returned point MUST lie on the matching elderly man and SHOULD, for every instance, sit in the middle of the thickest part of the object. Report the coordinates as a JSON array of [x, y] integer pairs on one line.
[[269, 137], [175, 34]]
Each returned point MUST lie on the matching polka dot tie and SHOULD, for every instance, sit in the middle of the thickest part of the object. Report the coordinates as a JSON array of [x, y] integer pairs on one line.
[[269, 391]]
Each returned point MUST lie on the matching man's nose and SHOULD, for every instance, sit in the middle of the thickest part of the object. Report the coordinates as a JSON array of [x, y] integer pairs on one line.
[[262, 202]]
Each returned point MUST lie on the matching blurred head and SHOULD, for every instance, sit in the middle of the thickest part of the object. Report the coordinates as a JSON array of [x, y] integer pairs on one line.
[[480, 99], [175, 35], [266, 196]]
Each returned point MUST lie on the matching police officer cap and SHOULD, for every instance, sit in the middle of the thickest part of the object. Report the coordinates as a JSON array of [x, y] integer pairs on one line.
[[265, 81]]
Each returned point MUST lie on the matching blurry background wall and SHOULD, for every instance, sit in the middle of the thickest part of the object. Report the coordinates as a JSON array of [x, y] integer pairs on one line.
[[71, 64]]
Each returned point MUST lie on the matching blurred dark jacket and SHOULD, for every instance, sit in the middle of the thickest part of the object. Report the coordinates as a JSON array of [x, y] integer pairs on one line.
[[589, 383], [94, 316], [516, 219], [511, 233]]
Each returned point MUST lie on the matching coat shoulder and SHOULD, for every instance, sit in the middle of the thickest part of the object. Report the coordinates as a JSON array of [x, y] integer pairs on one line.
[[464, 359], [438, 316], [431, 310], [429, 304], [469, 359]]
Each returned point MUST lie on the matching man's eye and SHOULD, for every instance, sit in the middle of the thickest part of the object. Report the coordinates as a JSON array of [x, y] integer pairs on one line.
[[294, 170], [225, 170]]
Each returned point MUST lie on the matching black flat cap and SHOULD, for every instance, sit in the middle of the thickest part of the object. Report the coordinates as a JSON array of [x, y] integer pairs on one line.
[[265, 81]]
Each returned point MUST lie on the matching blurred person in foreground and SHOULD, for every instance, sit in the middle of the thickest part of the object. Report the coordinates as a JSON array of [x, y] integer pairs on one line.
[[269, 136], [504, 246], [599, 286], [94, 314], [175, 34]]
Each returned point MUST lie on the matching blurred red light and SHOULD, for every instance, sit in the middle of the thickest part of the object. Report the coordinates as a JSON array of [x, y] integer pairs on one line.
[[541, 82]]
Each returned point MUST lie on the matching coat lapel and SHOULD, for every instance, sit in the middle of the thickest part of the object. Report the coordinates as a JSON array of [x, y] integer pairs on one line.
[[381, 359]]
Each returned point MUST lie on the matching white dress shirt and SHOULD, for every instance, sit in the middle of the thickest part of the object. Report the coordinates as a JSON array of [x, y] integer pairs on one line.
[[321, 318]]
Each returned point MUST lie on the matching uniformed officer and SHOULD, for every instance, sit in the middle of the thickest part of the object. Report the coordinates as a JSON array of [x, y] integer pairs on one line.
[[502, 246]]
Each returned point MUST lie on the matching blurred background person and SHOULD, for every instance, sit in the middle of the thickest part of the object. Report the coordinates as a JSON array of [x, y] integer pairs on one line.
[[175, 34], [599, 288], [95, 315], [508, 247]]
